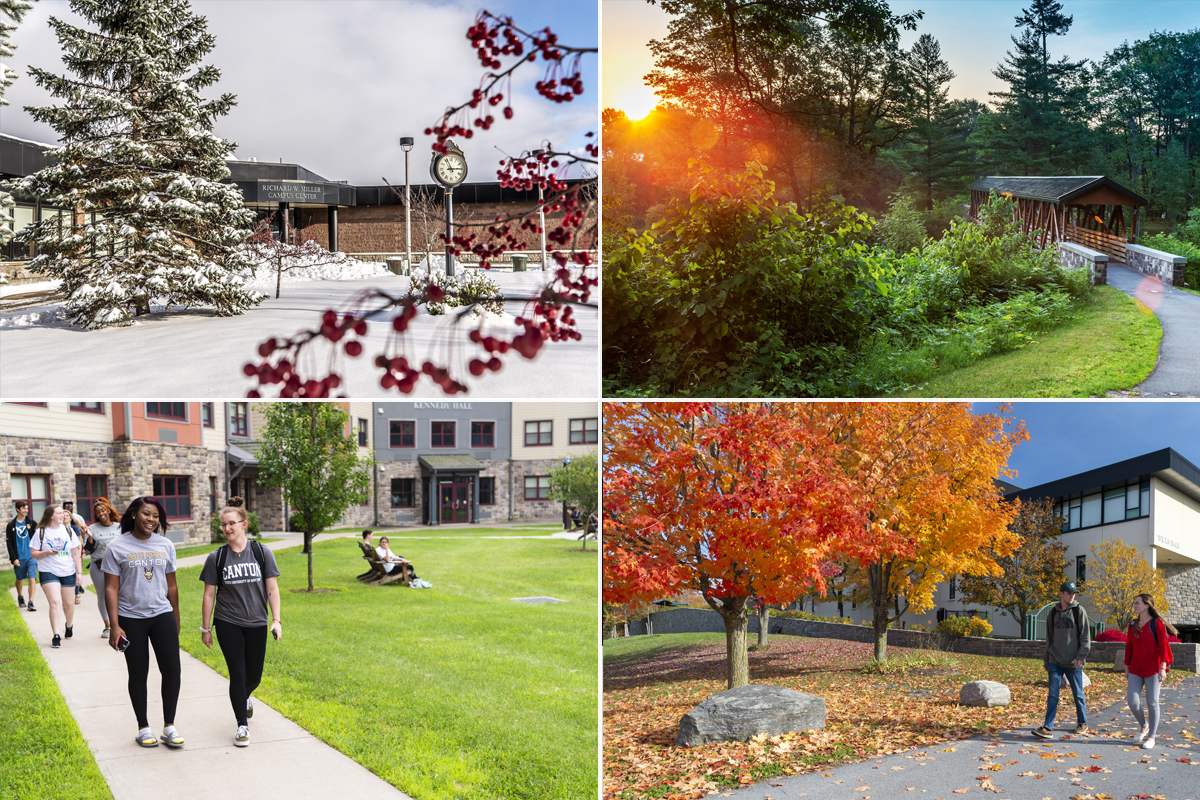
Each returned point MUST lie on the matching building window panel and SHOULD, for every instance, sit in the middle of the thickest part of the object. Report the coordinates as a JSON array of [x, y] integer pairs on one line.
[[442, 434], [239, 419], [404, 492], [176, 412], [206, 415], [1114, 505], [172, 491], [87, 489], [539, 433], [212, 495], [33, 488], [1080, 569], [487, 491], [402, 433], [1091, 510], [362, 433], [483, 434], [91, 408], [537, 487], [585, 431]]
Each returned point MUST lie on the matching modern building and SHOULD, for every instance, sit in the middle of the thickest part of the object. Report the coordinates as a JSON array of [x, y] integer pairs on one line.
[[1151, 502]]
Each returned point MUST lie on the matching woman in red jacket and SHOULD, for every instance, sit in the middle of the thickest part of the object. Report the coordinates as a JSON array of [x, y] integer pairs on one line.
[[1147, 656]]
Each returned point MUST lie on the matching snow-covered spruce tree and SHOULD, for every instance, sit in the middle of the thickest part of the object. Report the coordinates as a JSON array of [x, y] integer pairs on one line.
[[140, 165], [14, 10]]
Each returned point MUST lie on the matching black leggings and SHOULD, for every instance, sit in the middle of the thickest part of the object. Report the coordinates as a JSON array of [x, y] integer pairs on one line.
[[245, 650], [163, 633]]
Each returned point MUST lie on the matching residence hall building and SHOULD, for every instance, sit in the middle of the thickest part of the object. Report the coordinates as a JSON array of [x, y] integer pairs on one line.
[[443, 462], [1151, 502], [364, 221]]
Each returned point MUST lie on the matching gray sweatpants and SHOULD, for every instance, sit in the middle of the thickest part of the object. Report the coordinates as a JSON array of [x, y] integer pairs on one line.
[[97, 576], [1134, 697]]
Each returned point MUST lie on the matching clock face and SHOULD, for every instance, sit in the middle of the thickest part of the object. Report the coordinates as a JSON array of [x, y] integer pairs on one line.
[[452, 169]]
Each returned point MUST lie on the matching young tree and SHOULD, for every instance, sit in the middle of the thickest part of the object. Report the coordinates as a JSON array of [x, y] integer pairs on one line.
[[140, 166], [307, 452], [15, 11], [938, 155], [1118, 573], [296, 250], [1031, 573], [577, 483], [731, 500]]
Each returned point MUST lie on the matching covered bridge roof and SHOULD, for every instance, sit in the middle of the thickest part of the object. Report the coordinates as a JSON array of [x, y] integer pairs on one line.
[[1062, 189]]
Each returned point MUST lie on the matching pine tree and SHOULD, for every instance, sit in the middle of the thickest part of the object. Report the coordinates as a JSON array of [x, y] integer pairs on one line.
[[937, 154], [140, 166], [14, 10]]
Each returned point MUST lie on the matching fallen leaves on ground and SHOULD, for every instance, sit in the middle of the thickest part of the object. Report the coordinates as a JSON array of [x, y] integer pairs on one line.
[[868, 715]]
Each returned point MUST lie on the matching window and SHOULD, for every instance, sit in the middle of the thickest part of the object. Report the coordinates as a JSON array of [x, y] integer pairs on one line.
[[404, 492], [362, 432], [1116, 503], [91, 408], [38, 405], [172, 492], [172, 411], [212, 493], [953, 587], [1080, 569], [87, 489], [443, 434], [487, 491], [35, 489], [206, 415], [539, 433], [239, 419], [537, 487], [402, 433], [483, 434], [585, 431]]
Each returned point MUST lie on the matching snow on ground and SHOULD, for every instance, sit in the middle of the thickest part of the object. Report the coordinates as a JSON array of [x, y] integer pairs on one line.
[[190, 353], [8, 289]]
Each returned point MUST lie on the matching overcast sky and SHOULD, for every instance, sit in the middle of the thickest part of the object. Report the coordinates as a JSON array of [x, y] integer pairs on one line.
[[973, 34], [332, 84], [1072, 436]]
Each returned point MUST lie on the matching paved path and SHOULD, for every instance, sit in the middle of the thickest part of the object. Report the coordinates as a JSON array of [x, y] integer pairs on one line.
[[1177, 373], [993, 767]]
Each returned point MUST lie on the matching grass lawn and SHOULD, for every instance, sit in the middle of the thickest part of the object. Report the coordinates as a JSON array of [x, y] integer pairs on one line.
[[650, 682], [451, 692], [1112, 345], [39, 739], [201, 549]]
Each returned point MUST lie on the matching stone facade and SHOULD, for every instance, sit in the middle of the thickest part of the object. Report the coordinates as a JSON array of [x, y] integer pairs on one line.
[[1075, 256], [494, 512], [1167, 267], [533, 509], [1183, 593]]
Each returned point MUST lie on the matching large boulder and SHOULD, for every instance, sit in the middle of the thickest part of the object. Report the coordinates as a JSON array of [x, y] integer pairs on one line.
[[984, 693], [739, 714]]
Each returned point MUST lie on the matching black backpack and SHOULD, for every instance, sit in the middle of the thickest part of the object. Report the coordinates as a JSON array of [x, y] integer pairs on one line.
[[223, 553]]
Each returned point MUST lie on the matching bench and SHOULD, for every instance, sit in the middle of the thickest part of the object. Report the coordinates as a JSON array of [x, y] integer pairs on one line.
[[378, 574]]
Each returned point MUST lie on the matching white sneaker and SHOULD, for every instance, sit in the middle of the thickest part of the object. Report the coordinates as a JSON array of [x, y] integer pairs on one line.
[[1142, 733], [242, 737], [1148, 744]]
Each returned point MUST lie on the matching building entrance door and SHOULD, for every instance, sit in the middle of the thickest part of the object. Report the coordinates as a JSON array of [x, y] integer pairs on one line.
[[455, 502]]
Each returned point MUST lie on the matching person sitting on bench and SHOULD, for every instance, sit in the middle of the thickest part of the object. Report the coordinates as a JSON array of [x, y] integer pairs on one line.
[[390, 559]]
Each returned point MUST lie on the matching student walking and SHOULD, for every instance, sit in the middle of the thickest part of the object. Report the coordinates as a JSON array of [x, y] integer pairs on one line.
[[16, 536], [51, 545], [1147, 656], [79, 526], [240, 581], [106, 528], [1068, 643], [143, 608]]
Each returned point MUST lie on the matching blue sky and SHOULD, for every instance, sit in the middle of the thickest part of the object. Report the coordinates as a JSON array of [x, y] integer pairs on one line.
[[1068, 437]]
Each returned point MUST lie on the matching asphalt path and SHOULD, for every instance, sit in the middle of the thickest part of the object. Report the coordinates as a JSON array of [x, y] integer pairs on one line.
[[1177, 373], [1014, 765]]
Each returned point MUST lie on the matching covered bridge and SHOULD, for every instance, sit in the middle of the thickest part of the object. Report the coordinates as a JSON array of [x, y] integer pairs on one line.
[[1086, 209]]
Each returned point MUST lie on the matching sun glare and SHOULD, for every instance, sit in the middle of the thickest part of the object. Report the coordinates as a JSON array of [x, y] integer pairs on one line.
[[638, 103]]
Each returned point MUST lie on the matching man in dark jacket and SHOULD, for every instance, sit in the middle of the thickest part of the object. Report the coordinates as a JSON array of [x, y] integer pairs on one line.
[[1068, 643], [16, 536]]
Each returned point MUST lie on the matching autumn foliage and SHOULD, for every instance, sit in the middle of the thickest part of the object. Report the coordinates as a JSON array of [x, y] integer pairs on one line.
[[1117, 573]]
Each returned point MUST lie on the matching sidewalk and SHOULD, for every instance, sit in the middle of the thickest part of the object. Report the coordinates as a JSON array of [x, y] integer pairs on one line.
[[283, 761], [1177, 373], [1016, 766]]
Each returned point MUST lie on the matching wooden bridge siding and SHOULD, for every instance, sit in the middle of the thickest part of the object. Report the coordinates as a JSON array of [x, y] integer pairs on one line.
[[1075, 222]]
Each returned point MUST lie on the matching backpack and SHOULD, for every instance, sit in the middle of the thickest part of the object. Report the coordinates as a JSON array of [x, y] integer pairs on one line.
[[223, 553], [1153, 629]]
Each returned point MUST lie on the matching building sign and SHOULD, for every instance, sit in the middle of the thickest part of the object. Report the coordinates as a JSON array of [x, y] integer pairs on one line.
[[444, 406], [291, 192], [1163, 540]]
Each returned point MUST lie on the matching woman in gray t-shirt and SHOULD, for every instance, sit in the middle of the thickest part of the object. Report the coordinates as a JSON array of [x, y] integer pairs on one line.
[[107, 526], [240, 581]]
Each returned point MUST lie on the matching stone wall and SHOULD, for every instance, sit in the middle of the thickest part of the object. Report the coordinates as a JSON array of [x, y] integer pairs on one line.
[[533, 509], [703, 620], [1075, 256], [1183, 593], [1167, 267]]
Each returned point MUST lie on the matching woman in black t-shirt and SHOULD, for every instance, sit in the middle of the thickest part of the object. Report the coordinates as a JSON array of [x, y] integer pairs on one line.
[[240, 581]]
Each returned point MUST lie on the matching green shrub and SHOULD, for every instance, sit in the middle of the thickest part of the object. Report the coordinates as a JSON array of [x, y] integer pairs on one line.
[[253, 530], [900, 229], [965, 626], [937, 219]]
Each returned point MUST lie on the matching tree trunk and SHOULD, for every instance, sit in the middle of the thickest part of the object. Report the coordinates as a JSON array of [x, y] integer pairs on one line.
[[764, 621], [308, 549], [737, 665], [278, 277], [880, 579]]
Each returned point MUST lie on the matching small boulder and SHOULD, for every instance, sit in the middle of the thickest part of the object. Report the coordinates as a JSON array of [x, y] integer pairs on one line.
[[986, 694], [739, 714], [1119, 661]]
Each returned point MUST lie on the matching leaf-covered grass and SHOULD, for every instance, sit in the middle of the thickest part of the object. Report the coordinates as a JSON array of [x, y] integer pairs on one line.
[[42, 752], [451, 692], [1111, 345], [650, 682]]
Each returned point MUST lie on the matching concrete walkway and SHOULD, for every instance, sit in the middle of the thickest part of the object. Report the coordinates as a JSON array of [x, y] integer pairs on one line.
[[1177, 373], [1016, 766]]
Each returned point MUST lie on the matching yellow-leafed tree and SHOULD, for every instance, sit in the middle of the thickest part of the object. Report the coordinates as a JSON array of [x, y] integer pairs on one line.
[[1118, 574]]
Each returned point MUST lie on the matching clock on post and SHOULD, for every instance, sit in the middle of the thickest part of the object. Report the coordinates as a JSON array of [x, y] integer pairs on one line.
[[449, 169]]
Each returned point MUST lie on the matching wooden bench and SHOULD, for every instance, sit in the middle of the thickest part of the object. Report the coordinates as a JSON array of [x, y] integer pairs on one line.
[[378, 574]]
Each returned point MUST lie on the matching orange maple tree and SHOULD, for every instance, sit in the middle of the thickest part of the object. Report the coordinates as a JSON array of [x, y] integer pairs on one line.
[[732, 500]]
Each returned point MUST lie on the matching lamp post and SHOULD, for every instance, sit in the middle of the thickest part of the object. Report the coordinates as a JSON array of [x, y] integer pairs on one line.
[[541, 208], [406, 144]]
